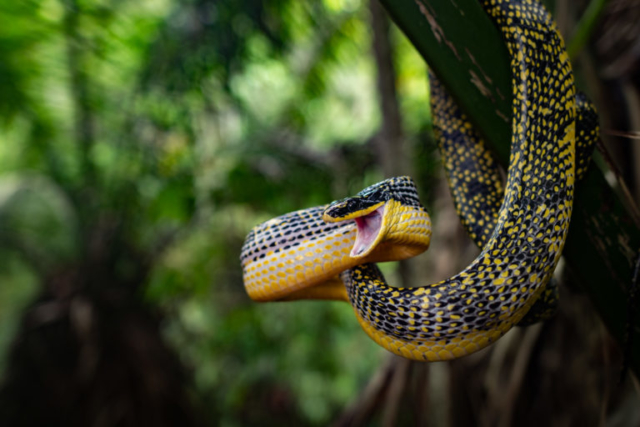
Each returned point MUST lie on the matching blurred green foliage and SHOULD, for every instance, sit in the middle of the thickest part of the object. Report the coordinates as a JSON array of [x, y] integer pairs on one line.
[[178, 125]]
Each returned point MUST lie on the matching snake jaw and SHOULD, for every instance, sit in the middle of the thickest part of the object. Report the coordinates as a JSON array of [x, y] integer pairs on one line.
[[369, 228], [368, 215]]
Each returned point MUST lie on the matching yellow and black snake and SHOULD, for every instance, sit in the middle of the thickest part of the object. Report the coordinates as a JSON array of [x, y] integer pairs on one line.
[[521, 228]]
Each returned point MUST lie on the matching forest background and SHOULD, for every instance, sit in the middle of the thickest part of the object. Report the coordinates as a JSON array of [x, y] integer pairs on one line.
[[141, 141]]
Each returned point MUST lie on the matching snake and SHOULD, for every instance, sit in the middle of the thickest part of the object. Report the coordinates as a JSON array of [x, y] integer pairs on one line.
[[474, 176], [331, 251]]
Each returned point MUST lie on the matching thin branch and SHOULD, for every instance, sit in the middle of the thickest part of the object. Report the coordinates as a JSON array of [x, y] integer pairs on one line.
[[360, 411], [390, 139], [395, 392], [630, 203], [84, 123], [634, 135], [518, 371]]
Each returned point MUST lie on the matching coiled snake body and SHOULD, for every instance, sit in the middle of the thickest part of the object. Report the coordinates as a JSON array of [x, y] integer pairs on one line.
[[298, 255]]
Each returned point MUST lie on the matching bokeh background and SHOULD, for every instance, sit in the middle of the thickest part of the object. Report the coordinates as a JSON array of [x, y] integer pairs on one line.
[[141, 140]]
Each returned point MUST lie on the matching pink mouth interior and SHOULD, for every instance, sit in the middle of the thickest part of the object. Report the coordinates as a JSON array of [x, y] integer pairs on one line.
[[368, 230]]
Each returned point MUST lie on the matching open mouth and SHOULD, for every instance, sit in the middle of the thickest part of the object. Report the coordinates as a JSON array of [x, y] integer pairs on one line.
[[369, 227]]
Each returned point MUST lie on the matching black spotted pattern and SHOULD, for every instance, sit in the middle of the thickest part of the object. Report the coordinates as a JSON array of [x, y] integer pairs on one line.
[[497, 289]]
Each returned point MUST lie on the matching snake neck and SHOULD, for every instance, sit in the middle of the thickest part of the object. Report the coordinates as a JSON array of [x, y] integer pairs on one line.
[[282, 255]]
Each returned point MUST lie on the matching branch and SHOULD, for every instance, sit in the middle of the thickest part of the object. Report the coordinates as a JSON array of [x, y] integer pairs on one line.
[[84, 126]]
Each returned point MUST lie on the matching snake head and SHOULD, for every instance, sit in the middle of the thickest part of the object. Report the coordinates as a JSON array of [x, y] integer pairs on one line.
[[374, 211]]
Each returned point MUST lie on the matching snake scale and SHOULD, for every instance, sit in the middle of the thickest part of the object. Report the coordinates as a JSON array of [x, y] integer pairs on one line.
[[329, 252]]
